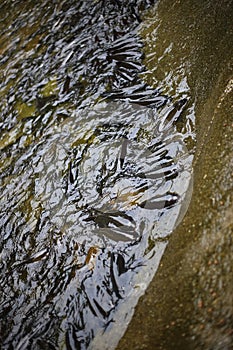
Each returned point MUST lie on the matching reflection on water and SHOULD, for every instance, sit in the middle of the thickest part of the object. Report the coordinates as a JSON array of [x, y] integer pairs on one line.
[[94, 172]]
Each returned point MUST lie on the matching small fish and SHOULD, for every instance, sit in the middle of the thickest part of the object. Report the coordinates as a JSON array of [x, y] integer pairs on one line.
[[66, 85]]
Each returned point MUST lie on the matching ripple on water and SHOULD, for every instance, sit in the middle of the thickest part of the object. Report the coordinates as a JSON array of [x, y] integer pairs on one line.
[[94, 173]]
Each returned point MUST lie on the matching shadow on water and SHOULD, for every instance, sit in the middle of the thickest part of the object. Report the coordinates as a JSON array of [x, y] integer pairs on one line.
[[95, 170]]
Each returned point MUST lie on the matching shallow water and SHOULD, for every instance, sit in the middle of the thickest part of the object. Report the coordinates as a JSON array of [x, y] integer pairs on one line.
[[188, 305], [95, 170]]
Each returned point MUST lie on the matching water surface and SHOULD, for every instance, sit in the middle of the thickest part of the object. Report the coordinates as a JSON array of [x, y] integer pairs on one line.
[[95, 169]]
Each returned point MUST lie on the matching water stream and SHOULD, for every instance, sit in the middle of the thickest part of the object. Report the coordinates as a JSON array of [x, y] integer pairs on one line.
[[96, 171]]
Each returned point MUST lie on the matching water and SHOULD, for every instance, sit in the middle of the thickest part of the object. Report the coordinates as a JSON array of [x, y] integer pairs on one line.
[[95, 172]]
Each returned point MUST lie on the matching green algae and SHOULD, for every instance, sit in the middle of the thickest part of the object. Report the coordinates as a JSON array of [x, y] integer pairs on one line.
[[25, 110], [9, 138], [50, 88]]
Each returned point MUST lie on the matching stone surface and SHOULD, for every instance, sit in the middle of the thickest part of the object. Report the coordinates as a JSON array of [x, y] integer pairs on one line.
[[189, 303]]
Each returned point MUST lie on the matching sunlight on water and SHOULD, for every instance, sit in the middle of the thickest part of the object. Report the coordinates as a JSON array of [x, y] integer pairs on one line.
[[95, 172]]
